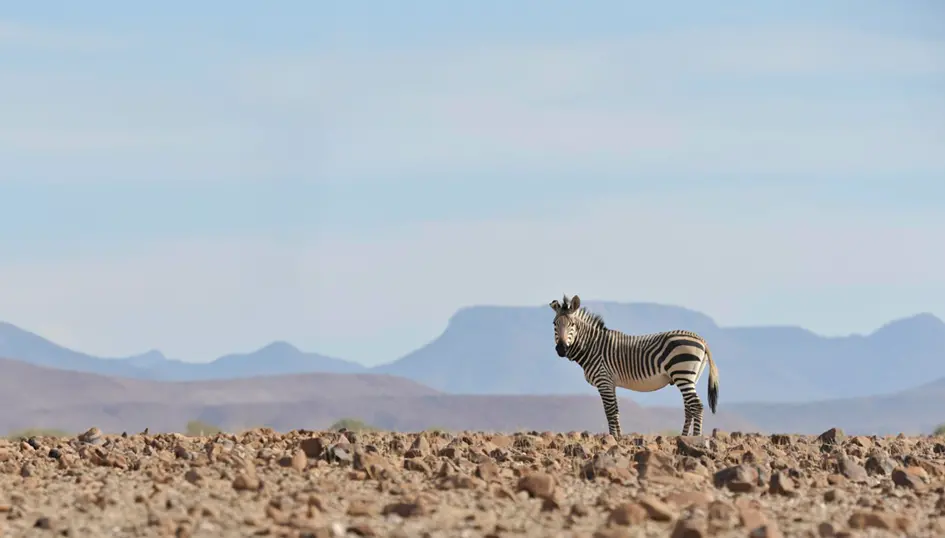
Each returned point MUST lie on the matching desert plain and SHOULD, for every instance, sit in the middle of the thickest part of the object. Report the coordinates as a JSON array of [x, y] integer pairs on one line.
[[472, 484]]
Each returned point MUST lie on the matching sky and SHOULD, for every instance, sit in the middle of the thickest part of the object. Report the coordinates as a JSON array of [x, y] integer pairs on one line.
[[205, 178]]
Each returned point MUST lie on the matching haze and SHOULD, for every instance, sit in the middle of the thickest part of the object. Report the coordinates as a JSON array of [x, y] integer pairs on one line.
[[208, 178]]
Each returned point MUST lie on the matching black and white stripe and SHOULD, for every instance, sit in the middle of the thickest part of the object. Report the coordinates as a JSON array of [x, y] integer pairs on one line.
[[641, 363]]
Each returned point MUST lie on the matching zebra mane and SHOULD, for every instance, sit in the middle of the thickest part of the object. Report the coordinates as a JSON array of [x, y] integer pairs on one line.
[[592, 319]]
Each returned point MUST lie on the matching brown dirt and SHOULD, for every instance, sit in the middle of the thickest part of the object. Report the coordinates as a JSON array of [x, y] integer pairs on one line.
[[472, 484]]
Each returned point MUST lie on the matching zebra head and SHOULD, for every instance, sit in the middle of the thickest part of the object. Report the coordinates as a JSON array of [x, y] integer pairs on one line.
[[565, 323]]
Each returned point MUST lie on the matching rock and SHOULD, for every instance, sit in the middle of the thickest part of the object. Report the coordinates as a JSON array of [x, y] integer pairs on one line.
[[418, 465], [880, 465], [92, 436], [374, 466], [692, 527], [694, 446], [629, 513], [537, 484], [851, 469], [782, 484], [406, 509], [362, 529], [314, 447], [655, 467], [579, 510], [656, 509], [193, 476], [834, 495], [575, 450], [910, 477], [419, 448], [612, 532], [879, 520], [361, 508], [767, 530], [487, 471], [832, 436], [750, 516], [339, 453], [739, 478], [685, 499], [605, 466], [246, 481]]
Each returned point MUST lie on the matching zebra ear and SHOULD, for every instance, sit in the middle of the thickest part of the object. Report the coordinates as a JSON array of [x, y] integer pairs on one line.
[[575, 302], [555, 305]]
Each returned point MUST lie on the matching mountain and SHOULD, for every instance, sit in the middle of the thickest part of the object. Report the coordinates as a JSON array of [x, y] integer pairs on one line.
[[275, 358], [489, 350], [509, 350]]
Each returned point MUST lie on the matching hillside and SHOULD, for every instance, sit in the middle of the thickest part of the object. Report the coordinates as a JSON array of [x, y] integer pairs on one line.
[[75, 400], [509, 350], [275, 358], [32, 396], [25, 387], [915, 411]]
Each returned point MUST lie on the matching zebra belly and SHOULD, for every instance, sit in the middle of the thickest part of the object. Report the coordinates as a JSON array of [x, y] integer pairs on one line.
[[648, 384]]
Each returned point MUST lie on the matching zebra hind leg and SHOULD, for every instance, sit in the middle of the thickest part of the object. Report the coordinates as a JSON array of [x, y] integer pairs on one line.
[[697, 418], [692, 406], [687, 422]]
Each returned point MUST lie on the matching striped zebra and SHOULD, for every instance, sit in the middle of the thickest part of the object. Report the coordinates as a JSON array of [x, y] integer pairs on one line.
[[641, 363]]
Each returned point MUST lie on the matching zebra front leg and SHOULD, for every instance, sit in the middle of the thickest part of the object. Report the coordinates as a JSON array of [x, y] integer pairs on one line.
[[608, 397]]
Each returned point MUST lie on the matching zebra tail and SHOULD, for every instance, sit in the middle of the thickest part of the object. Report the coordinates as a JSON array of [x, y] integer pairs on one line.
[[713, 381]]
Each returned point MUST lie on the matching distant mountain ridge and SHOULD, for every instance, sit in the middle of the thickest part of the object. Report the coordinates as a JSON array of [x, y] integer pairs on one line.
[[272, 359], [487, 350]]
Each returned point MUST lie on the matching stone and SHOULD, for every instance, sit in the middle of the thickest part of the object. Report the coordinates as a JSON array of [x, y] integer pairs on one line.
[[782, 484], [628, 513], [656, 509], [694, 446], [879, 520], [407, 509], [852, 470], [910, 477], [739, 478], [537, 484], [685, 499], [831, 436]]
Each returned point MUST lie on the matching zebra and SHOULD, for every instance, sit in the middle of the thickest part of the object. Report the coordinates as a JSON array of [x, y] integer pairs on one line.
[[642, 363]]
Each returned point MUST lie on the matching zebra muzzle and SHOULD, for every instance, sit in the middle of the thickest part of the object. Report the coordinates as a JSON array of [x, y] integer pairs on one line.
[[560, 349]]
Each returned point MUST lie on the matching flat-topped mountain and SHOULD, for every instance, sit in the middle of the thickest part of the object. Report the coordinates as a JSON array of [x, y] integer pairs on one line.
[[510, 350]]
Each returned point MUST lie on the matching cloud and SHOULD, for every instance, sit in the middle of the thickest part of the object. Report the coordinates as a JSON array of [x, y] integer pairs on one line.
[[739, 101], [743, 257], [822, 101]]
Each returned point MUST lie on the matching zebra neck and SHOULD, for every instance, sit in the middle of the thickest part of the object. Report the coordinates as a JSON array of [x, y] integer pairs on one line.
[[581, 353]]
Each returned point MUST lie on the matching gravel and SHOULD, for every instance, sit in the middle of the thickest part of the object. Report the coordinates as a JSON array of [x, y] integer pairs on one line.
[[472, 484]]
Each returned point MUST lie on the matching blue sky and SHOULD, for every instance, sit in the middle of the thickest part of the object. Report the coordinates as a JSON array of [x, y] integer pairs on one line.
[[206, 178]]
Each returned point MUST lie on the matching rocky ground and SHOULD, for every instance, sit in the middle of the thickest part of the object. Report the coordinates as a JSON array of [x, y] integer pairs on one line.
[[324, 484]]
